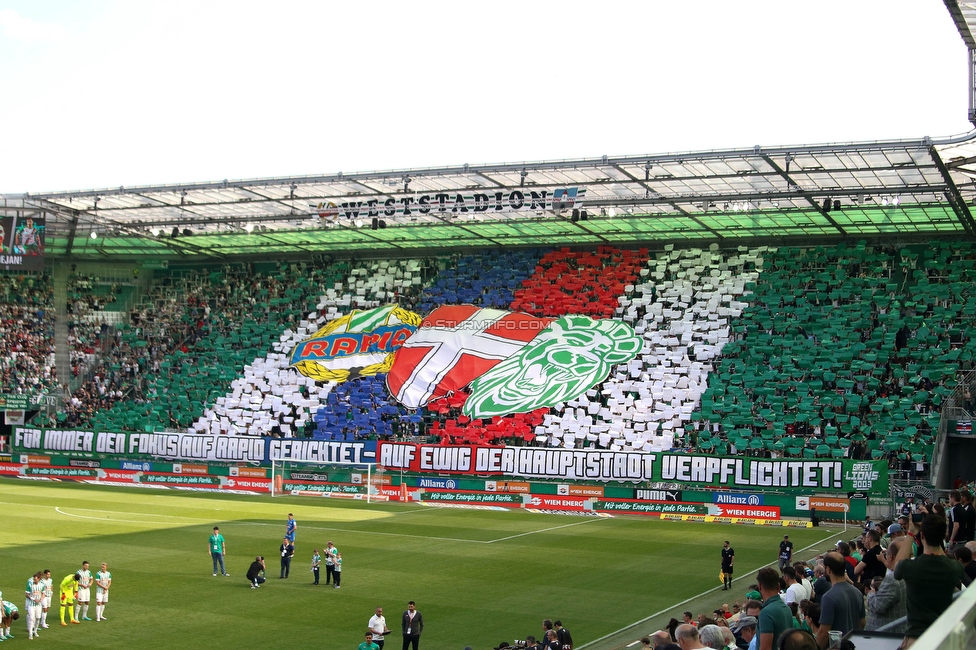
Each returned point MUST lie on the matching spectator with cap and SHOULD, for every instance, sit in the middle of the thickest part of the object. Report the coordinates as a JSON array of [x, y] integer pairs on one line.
[[888, 602], [842, 607], [930, 578], [744, 631]]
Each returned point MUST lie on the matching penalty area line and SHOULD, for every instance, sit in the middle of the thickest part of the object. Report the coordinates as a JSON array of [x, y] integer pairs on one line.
[[124, 521], [688, 600]]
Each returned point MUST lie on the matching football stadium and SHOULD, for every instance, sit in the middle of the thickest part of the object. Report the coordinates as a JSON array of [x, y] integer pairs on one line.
[[750, 361]]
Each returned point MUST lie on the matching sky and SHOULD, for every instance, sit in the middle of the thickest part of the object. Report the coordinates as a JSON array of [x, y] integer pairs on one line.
[[106, 93]]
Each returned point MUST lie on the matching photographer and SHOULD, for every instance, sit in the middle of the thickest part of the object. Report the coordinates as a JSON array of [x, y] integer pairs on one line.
[[255, 573]]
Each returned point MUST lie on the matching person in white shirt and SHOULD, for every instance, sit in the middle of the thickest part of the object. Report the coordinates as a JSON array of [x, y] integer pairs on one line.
[[377, 624], [794, 590], [801, 577]]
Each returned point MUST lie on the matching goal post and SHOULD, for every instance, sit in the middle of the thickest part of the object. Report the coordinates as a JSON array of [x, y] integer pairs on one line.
[[339, 479]]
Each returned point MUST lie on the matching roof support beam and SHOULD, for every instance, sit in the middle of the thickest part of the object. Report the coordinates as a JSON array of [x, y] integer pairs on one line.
[[956, 200], [809, 198]]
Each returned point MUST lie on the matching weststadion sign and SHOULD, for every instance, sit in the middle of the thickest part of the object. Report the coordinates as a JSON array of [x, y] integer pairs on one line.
[[454, 203]]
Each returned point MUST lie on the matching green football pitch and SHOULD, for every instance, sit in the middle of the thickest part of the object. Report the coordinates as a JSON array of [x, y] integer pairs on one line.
[[478, 577]]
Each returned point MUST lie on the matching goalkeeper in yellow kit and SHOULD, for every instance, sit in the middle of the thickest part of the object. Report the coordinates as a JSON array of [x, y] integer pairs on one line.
[[69, 587]]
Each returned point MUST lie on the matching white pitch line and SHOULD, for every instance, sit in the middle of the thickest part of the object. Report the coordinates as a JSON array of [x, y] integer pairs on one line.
[[365, 532], [121, 521], [688, 600], [343, 530], [544, 530]]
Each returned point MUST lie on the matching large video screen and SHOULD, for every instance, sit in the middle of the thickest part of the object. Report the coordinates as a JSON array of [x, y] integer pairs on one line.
[[22, 243]]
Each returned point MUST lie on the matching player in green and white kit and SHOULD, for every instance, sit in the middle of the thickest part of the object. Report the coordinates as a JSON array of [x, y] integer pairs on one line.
[[84, 592], [103, 580], [48, 593], [8, 614], [34, 592]]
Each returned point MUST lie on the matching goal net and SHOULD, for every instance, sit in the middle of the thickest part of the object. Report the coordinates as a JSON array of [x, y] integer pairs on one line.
[[337, 479]]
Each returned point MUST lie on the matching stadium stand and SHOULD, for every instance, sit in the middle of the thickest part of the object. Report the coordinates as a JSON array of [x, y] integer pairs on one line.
[[801, 352], [27, 334]]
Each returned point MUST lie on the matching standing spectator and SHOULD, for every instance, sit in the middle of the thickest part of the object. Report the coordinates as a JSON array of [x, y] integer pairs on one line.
[[957, 520], [290, 527], [330, 555], [785, 553], [563, 635], [255, 572], [377, 624], [969, 522], [888, 602], [801, 577], [218, 548], [794, 589], [316, 561], [870, 566], [728, 559], [868, 524], [287, 551], [842, 607], [930, 578], [775, 617], [820, 583], [412, 626]]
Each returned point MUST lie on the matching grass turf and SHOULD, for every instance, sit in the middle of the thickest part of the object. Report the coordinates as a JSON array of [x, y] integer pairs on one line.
[[478, 577]]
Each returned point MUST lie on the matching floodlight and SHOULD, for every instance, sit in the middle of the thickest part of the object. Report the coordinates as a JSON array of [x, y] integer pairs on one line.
[[359, 223], [884, 201], [826, 205], [612, 212], [249, 227], [836, 205], [187, 232], [176, 232], [896, 200], [155, 232], [94, 235]]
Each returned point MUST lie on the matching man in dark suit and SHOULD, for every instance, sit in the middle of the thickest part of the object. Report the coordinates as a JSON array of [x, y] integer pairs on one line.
[[412, 626]]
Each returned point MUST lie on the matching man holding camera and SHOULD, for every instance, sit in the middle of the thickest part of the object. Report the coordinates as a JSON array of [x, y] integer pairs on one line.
[[255, 573]]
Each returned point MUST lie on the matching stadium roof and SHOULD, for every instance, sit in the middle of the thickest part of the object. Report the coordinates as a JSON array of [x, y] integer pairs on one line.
[[904, 188]]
